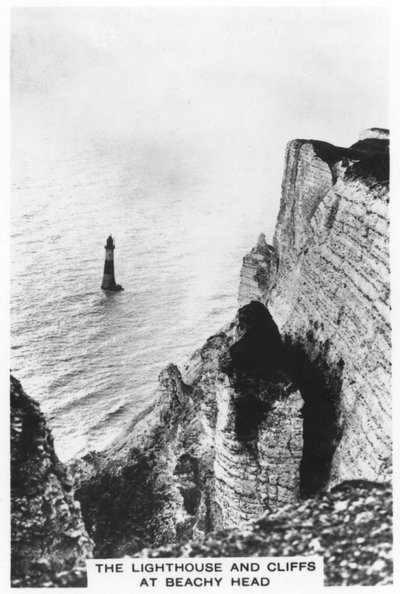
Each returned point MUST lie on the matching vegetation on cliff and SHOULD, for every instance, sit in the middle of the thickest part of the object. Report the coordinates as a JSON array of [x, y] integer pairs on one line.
[[349, 526]]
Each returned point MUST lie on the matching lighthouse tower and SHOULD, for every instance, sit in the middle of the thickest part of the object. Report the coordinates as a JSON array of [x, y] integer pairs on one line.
[[108, 283]]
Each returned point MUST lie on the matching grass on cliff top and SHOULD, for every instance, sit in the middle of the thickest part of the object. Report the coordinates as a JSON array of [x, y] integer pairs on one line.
[[371, 158]]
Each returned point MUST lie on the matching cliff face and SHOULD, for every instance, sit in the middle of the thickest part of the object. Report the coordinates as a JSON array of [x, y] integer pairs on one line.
[[326, 284], [290, 398], [49, 543]]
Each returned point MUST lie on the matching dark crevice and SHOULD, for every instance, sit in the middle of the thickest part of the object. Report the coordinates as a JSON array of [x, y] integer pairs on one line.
[[191, 499], [187, 469], [118, 504], [249, 410], [332, 214], [320, 386], [256, 367]]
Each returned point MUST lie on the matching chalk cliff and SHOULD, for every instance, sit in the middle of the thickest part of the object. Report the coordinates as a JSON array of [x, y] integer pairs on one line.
[[326, 283], [292, 397], [49, 542]]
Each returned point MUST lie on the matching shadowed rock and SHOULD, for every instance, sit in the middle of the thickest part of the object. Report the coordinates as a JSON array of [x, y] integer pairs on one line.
[[349, 526], [49, 543]]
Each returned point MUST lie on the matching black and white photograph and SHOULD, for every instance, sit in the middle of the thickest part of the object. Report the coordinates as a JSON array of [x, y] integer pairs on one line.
[[200, 298]]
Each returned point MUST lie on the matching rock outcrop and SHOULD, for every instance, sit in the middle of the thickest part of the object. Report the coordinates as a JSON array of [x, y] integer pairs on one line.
[[49, 542], [257, 272], [326, 284]]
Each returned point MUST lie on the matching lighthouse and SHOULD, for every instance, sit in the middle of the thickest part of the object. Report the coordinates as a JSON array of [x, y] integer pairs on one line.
[[108, 283]]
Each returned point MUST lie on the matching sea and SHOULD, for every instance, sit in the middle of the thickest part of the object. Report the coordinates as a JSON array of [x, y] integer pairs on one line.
[[89, 357]]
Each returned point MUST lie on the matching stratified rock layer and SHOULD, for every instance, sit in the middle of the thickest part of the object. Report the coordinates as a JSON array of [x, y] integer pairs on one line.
[[49, 543], [329, 289]]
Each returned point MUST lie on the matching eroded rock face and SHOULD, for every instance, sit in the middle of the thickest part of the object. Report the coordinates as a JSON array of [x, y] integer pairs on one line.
[[49, 543], [259, 471], [257, 272], [259, 437], [223, 443], [329, 291]]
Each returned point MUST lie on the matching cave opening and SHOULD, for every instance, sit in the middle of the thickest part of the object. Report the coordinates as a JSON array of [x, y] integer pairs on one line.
[[256, 367], [249, 410], [259, 364], [320, 385]]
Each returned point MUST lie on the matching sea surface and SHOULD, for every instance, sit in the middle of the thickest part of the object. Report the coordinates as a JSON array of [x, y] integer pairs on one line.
[[92, 358]]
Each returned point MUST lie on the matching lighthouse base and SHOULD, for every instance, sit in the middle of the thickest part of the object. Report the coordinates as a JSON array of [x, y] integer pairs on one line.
[[109, 283], [113, 288]]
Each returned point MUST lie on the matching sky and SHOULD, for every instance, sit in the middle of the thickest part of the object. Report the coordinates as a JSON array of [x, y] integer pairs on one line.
[[222, 89]]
